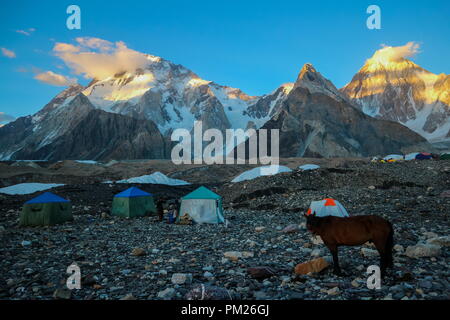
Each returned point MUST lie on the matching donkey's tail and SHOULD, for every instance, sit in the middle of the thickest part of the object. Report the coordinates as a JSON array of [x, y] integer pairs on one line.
[[389, 246]]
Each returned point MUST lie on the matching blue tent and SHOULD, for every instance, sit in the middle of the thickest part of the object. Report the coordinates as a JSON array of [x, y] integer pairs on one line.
[[132, 193], [133, 202], [424, 156], [47, 197]]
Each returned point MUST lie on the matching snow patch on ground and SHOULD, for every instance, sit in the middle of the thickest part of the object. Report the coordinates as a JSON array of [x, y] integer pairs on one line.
[[155, 178], [28, 188], [307, 167], [86, 161], [260, 171]]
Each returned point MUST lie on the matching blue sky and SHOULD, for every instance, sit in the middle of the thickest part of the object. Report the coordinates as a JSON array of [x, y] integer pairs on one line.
[[251, 45]]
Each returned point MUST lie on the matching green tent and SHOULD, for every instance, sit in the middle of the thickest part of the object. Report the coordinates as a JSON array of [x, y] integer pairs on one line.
[[203, 206], [445, 156], [44, 210], [133, 202]]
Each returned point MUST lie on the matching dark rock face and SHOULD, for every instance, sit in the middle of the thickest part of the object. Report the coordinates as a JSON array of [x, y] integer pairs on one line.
[[317, 125], [79, 131], [269, 104], [72, 90], [14, 132], [105, 136]]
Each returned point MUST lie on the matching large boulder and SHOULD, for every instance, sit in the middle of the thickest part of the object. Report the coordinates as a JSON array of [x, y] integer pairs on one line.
[[181, 278], [62, 294], [445, 194], [292, 228], [443, 241], [167, 294], [236, 255], [369, 253], [205, 292], [138, 252], [312, 266], [422, 250], [261, 272]]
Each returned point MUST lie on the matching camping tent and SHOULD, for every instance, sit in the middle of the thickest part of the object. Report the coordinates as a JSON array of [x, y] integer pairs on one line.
[[424, 156], [327, 207], [203, 206], [44, 210], [133, 202], [411, 156], [445, 156], [307, 167], [393, 157]]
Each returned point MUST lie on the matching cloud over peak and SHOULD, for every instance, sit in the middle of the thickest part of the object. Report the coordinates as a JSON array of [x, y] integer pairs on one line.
[[55, 79], [98, 59], [392, 54]]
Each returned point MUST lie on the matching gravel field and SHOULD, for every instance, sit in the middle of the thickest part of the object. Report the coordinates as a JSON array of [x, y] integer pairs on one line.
[[145, 259]]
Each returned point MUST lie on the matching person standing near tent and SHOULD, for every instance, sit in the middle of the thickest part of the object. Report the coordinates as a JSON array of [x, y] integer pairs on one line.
[[160, 209], [177, 208], [171, 214]]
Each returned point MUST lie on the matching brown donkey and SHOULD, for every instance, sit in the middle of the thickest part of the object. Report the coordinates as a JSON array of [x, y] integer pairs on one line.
[[354, 231]]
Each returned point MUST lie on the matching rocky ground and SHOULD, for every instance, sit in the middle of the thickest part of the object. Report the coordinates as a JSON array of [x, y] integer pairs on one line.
[[146, 259], [73, 172]]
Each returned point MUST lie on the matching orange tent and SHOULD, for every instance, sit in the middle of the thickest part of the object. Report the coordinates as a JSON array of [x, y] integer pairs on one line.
[[327, 207]]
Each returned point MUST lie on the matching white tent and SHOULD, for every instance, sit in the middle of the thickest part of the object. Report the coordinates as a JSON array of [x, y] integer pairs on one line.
[[393, 157], [203, 206], [261, 171], [327, 207], [307, 167], [411, 156]]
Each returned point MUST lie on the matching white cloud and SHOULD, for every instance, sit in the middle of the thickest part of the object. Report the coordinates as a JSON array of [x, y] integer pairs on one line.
[[26, 32], [95, 43], [97, 58], [8, 53], [65, 48], [5, 118], [388, 53], [55, 79]]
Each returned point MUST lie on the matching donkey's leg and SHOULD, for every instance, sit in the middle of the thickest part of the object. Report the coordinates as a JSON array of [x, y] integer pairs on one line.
[[381, 247], [389, 247], [334, 252], [389, 258]]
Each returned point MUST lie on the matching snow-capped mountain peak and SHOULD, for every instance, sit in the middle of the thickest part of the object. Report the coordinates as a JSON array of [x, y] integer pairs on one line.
[[170, 95], [127, 114], [397, 89]]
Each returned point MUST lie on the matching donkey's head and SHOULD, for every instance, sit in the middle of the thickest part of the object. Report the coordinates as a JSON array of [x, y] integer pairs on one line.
[[312, 222]]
